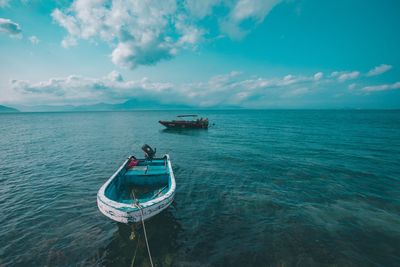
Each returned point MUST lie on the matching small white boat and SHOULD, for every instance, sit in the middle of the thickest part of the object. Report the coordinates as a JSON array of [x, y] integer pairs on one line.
[[139, 189]]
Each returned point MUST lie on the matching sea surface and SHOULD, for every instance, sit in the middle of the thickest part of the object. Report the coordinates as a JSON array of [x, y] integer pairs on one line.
[[258, 188]]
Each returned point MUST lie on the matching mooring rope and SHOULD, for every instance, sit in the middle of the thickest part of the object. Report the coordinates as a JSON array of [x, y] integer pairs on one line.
[[134, 255], [136, 203], [145, 235]]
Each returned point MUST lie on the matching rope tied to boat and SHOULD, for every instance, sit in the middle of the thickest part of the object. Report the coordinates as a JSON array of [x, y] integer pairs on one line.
[[136, 204], [145, 234], [134, 255]]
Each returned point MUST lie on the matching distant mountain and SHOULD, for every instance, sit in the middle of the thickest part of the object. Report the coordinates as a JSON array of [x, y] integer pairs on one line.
[[132, 104], [4, 109]]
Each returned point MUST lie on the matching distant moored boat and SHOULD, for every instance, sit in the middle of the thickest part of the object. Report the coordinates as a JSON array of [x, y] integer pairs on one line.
[[181, 123]]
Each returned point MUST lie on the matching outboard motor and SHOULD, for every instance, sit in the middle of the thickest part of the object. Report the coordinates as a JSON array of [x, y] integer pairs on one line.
[[149, 153]]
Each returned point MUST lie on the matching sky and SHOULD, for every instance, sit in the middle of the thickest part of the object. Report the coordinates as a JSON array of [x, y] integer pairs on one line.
[[210, 53]]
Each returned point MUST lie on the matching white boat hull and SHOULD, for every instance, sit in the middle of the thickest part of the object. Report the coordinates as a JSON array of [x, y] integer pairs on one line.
[[130, 213]]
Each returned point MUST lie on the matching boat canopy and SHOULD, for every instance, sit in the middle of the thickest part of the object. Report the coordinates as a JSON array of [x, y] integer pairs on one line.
[[187, 115]]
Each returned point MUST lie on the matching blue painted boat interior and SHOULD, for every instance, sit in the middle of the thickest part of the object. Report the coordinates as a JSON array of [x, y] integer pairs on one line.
[[147, 180]]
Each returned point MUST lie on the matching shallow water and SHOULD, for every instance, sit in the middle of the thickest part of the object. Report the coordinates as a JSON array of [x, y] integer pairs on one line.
[[259, 188]]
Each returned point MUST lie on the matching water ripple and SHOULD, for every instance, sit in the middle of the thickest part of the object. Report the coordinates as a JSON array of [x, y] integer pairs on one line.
[[259, 188]]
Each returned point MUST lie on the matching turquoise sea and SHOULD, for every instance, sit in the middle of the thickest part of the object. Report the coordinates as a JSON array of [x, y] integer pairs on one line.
[[259, 188]]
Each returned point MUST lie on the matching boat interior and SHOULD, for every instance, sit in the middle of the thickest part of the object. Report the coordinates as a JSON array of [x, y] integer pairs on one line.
[[143, 179]]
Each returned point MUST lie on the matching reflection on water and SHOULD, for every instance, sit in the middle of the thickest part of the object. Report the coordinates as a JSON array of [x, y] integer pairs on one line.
[[163, 233], [188, 132]]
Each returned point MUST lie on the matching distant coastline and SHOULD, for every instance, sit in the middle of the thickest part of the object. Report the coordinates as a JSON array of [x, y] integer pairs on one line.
[[128, 105], [153, 105], [5, 109]]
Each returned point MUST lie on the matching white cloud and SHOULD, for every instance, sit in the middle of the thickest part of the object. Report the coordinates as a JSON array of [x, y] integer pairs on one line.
[[228, 89], [76, 89], [115, 76], [68, 42], [234, 88], [345, 76], [246, 10], [201, 9], [141, 30], [4, 3], [318, 76], [296, 92], [334, 74], [379, 70], [9, 27], [145, 32], [34, 40], [382, 87], [352, 86]]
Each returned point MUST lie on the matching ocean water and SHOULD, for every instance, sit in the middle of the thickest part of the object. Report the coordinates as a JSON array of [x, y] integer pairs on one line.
[[259, 188]]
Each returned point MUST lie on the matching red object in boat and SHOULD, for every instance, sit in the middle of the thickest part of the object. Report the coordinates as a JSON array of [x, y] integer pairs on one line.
[[132, 163]]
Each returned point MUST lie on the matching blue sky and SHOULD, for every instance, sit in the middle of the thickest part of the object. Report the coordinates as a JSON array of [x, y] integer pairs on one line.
[[210, 53]]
